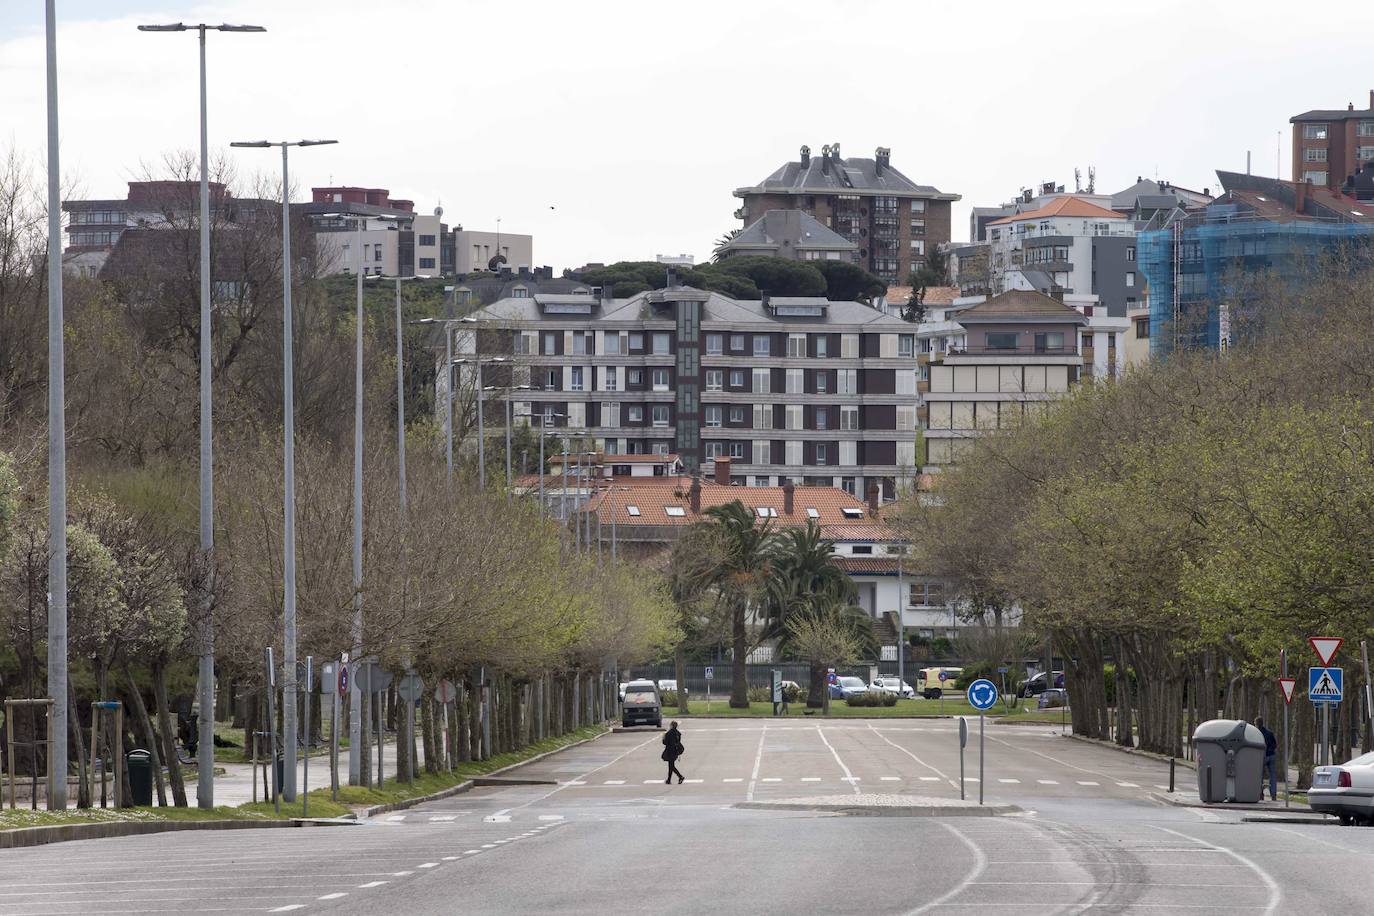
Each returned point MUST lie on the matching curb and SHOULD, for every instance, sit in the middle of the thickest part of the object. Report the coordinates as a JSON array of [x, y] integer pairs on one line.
[[61, 833], [468, 784], [1111, 745], [1188, 802], [1287, 820], [884, 810]]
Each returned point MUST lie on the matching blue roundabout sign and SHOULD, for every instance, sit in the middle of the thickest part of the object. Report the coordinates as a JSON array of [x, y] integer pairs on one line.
[[982, 694]]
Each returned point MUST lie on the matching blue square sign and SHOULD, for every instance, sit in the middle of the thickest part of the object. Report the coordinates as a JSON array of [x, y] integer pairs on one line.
[[1326, 685]]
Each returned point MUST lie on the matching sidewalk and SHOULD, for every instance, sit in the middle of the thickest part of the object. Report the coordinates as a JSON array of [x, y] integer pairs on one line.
[[235, 785]]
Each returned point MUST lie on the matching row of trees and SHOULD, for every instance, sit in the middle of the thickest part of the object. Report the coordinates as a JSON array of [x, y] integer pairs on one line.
[[467, 586], [1187, 521], [744, 277]]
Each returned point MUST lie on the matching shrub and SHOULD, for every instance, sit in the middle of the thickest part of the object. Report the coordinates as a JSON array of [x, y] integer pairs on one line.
[[668, 698], [873, 698], [793, 694], [760, 694]]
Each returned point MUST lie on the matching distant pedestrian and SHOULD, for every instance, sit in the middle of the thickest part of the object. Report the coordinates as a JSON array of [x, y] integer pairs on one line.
[[1271, 749], [672, 750]]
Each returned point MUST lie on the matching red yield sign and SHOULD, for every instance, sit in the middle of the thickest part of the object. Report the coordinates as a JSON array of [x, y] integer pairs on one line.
[[1287, 684], [1325, 647]]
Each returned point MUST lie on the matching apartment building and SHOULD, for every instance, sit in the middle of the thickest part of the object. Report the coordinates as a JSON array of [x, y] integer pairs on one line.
[[800, 389], [1330, 145], [396, 241], [891, 219], [94, 226], [792, 234], [1015, 352], [478, 251]]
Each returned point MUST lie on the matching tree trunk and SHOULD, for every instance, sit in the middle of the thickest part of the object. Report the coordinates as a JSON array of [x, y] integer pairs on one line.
[[427, 729], [816, 688], [145, 724], [168, 734], [463, 724], [739, 673]]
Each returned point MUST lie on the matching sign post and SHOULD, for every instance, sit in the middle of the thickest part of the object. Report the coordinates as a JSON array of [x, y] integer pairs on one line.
[[710, 675], [963, 742], [1286, 684], [330, 678], [272, 730], [777, 691], [982, 696], [410, 690], [943, 677], [1326, 686], [305, 778]]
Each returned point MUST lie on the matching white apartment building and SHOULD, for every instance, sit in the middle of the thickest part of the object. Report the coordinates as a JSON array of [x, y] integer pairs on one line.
[[473, 250]]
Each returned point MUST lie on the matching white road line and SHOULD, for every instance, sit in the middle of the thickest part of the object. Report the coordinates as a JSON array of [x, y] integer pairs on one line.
[[444, 817], [397, 817], [734, 779], [811, 779], [619, 758], [897, 778], [1047, 757], [372, 884], [471, 852], [450, 858], [551, 817], [980, 862], [932, 769], [1158, 786], [488, 845], [647, 781], [690, 781], [402, 874], [1048, 782], [288, 908], [847, 775], [1086, 782], [614, 782], [429, 865], [758, 760], [930, 779], [771, 779], [334, 896], [1010, 781], [1274, 894], [576, 782], [1128, 785], [500, 817]]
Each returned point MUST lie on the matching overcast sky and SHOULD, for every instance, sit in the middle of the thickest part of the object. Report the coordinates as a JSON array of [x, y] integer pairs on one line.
[[617, 130]]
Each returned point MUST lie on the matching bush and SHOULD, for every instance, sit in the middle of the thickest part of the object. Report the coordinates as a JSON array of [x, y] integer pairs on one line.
[[873, 698], [795, 694], [760, 694], [668, 698]]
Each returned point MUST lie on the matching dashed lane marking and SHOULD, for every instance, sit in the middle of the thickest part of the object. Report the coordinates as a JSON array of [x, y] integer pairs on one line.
[[1010, 781], [1086, 782], [691, 781], [772, 779], [444, 817], [930, 779], [334, 896], [397, 817], [288, 908], [402, 874], [551, 817], [371, 884], [615, 782], [1048, 782], [450, 858], [1128, 785], [899, 779], [429, 865], [733, 779], [811, 779]]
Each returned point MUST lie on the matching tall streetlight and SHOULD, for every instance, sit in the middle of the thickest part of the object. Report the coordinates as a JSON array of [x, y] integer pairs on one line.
[[510, 483], [205, 756], [448, 388], [57, 455], [481, 426], [289, 733], [545, 417]]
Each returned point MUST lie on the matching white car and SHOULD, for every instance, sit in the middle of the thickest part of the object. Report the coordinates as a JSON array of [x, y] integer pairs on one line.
[[894, 685], [667, 684], [1346, 791]]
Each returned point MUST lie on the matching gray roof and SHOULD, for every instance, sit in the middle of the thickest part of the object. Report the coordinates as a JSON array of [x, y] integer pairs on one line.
[[717, 307], [789, 228], [852, 174], [1332, 114], [1021, 305]]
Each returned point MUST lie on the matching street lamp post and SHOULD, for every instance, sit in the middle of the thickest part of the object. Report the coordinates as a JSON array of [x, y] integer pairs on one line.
[[481, 423], [205, 756], [289, 731], [510, 483]]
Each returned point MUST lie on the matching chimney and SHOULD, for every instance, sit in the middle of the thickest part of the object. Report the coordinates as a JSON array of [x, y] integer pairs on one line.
[[1302, 189], [882, 158], [805, 156], [835, 152], [723, 471], [763, 294], [873, 496], [694, 494], [1349, 106], [1057, 293], [789, 490], [825, 159], [1371, 100], [607, 295]]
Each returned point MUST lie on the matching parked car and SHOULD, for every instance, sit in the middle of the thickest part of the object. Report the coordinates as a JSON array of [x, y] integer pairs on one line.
[[1346, 791], [929, 685], [894, 685], [641, 705], [667, 684], [623, 685], [845, 687], [1053, 698], [1035, 685]]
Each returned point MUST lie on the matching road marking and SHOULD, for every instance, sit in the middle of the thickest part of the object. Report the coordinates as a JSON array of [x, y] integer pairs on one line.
[[470, 852], [1010, 781], [847, 775], [444, 817], [930, 779], [1274, 894], [334, 896], [980, 862], [1158, 786], [939, 775], [500, 817], [402, 874], [614, 782], [758, 760], [397, 817], [772, 779], [1086, 782], [1048, 782], [971, 779], [551, 817], [651, 739], [372, 884], [811, 779], [450, 858], [690, 781], [288, 908], [576, 782], [733, 779], [488, 845], [897, 778], [429, 865], [1128, 785], [647, 781]]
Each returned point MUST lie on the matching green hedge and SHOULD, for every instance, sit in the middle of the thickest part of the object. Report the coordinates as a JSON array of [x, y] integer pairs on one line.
[[873, 698]]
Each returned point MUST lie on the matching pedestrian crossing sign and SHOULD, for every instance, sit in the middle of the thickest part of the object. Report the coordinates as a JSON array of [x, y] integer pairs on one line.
[[1326, 685]]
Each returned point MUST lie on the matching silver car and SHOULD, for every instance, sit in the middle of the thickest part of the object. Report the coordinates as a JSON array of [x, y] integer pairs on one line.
[[893, 685], [1346, 791]]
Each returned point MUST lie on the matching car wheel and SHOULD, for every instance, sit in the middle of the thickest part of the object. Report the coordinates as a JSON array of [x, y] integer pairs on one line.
[[1346, 820]]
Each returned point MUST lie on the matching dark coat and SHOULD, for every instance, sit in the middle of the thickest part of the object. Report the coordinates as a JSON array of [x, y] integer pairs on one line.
[[1271, 743], [672, 744]]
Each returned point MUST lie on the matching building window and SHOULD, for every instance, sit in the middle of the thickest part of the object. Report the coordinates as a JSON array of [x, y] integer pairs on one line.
[[792, 452], [794, 381], [847, 381], [714, 344], [918, 247], [426, 263], [1049, 341], [1364, 153], [792, 415], [576, 383], [635, 414], [579, 343], [761, 345], [610, 413], [762, 378], [737, 450], [849, 418], [550, 346], [821, 346], [736, 378], [849, 346], [660, 415], [553, 380], [1142, 328], [660, 379], [1001, 340], [736, 343], [1130, 253], [1130, 279], [822, 417], [906, 345], [610, 378], [634, 377], [713, 417], [1314, 131], [427, 240], [1316, 177], [1314, 154], [715, 379], [736, 414], [822, 382], [661, 344], [796, 345], [611, 344], [714, 449], [763, 416], [820, 453]]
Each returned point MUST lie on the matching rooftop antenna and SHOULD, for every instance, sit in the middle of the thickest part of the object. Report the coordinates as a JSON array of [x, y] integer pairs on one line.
[[1092, 179], [1077, 180], [1278, 154], [1247, 162]]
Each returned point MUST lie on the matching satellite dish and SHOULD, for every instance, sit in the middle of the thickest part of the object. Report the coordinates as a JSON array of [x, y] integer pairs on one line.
[[495, 261], [439, 211]]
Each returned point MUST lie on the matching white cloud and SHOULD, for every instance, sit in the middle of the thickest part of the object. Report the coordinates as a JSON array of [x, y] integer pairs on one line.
[[637, 120]]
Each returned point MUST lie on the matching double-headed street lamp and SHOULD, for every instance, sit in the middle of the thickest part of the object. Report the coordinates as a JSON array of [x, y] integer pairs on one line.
[[545, 417], [205, 780], [479, 362], [289, 731]]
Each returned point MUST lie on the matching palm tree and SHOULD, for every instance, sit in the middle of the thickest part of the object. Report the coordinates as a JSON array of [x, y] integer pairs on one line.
[[719, 250], [828, 631], [741, 580], [803, 574]]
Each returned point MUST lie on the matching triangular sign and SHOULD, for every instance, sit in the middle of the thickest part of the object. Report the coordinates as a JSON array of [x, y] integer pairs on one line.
[[1325, 647], [1287, 684]]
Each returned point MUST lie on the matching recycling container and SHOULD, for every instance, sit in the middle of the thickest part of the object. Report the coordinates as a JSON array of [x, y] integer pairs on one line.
[[140, 765], [1230, 761]]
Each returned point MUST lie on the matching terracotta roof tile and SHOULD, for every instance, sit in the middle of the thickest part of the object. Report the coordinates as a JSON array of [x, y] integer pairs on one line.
[[651, 498], [1061, 206]]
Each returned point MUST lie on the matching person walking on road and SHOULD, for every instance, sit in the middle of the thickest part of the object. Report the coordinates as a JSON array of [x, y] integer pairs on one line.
[[1271, 748], [672, 750]]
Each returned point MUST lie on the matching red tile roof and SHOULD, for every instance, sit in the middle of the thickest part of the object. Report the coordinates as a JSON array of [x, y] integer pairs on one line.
[[1062, 206], [935, 295], [871, 565]]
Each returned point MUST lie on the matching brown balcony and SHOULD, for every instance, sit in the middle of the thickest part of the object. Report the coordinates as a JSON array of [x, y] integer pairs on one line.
[[923, 413], [923, 386]]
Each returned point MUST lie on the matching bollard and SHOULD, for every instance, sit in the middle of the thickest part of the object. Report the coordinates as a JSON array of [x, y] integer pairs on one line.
[[1171, 775]]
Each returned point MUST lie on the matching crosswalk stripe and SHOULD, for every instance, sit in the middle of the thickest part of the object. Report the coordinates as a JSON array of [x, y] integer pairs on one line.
[[894, 778], [930, 779], [615, 782], [1128, 785], [733, 779], [1048, 782], [1082, 782], [1011, 781]]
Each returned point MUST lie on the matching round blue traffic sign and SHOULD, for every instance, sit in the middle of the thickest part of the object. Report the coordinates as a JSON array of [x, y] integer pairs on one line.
[[944, 675], [982, 694]]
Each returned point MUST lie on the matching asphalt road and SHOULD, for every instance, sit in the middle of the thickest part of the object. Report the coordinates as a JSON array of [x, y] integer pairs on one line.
[[1091, 836]]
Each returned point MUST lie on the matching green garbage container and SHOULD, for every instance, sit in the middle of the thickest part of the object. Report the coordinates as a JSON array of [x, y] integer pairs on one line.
[[140, 764]]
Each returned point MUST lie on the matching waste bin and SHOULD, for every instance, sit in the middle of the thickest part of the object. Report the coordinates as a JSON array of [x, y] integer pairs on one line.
[[140, 764], [1230, 761]]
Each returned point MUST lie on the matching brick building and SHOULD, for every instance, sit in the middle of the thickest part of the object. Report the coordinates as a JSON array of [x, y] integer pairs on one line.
[[1330, 145], [893, 220]]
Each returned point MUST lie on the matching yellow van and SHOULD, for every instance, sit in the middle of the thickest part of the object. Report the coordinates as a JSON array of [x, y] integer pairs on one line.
[[929, 684]]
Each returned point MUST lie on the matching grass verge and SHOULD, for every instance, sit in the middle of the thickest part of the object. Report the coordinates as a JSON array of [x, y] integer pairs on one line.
[[25, 817]]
